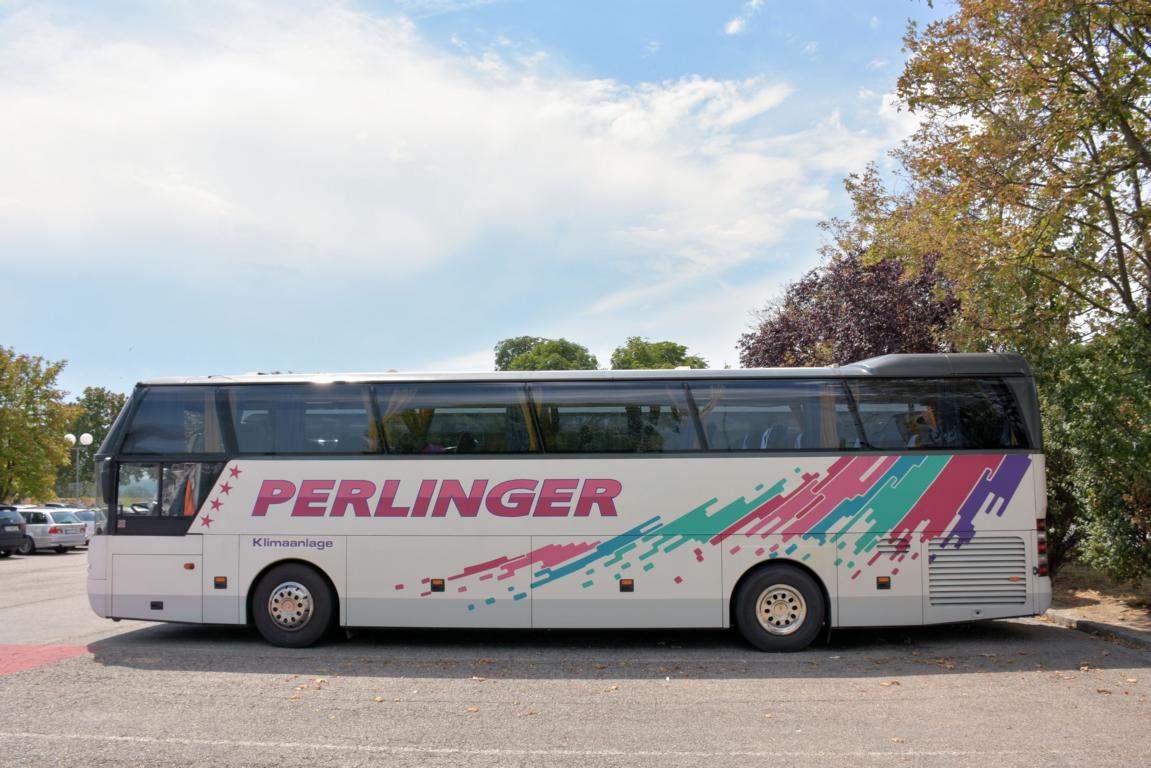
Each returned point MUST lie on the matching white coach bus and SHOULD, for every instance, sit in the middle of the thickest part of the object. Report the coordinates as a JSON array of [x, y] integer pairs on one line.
[[902, 490]]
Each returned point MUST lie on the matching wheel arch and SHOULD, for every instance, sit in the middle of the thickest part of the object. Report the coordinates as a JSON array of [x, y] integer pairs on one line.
[[800, 566], [251, 592]]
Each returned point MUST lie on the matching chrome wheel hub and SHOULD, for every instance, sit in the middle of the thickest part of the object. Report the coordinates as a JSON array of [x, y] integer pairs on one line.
[[290, 606], [781, 609]]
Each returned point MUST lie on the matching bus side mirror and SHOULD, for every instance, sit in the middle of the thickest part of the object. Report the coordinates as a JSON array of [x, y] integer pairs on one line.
[[107, 481]]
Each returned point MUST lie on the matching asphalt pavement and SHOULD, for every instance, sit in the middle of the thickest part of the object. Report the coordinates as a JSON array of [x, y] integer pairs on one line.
[[79, 690]]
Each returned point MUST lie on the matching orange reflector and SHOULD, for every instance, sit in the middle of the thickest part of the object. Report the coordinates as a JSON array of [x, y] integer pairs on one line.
[[220, 582], [1015, 578], [883, 582], [627, 585], [437, 585], [189, 566]]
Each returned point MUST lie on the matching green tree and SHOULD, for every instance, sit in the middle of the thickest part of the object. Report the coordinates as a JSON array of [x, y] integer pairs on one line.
[[33, 422], [1029, 175], [1097, 408], [554, 355], [639, 353], [1031, 169], [509, 349], [95, 410]]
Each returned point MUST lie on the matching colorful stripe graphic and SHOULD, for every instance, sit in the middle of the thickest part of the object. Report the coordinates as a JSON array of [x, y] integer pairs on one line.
[[876, 498]]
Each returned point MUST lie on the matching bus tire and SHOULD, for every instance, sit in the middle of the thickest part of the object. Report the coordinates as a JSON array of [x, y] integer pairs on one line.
[[292, 606], [779, 608]]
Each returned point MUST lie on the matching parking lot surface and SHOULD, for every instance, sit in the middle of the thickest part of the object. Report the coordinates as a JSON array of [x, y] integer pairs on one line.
[[79, 690]]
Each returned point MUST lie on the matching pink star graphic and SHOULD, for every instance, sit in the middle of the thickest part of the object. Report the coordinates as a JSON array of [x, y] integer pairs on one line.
[[206, 521], [234, 472], [215, 505], [225, 488]]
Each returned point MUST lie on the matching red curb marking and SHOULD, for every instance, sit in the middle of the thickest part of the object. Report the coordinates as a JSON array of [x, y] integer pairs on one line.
[[17, 658]]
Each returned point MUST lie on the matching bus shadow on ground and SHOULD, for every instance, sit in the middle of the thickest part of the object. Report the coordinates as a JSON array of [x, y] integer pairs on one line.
[[997, 646]]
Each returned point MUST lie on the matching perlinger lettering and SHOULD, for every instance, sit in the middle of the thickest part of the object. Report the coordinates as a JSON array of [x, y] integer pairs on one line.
[[566, 497]]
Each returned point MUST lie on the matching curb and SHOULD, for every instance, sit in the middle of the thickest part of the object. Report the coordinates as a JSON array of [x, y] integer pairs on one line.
[[1068, 619]]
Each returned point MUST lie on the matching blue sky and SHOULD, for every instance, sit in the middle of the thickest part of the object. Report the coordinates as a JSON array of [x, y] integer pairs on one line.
[[199, 187]]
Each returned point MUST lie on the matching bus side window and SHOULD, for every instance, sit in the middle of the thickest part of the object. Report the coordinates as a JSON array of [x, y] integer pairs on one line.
[[454, 418], [616, 417], [138, 489], [779, 415], [302, 419], [939, 414], [175, 420]]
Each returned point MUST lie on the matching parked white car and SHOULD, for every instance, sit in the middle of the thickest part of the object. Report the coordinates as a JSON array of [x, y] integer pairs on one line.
[[57, 529], [95, 521]]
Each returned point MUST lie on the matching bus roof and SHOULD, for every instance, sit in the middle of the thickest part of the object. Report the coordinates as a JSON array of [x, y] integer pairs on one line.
[[912, 366]]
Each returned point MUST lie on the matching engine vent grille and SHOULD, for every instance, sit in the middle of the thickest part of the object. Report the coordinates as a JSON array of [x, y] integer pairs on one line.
[[988, 570]]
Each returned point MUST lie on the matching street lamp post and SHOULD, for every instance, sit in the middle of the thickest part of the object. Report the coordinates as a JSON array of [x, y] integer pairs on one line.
[[84, 440]]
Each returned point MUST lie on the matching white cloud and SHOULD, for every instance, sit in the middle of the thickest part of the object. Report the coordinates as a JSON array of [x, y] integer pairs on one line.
[[285, 135], [811, 49], [877, 64], [735, 26], [738, 24], [874, 23], [313, 131]]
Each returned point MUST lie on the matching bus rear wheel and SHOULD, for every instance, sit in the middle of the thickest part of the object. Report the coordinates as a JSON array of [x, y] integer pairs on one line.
[[779, 608], [292, 606]]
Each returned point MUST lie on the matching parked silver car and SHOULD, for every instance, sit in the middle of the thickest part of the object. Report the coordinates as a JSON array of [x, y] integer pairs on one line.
[[57, 529]]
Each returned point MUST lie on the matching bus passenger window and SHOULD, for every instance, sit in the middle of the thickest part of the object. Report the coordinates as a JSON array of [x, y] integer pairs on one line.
[[939, 414], [617, 417], [774, 415], [302, 419], [455, 418]]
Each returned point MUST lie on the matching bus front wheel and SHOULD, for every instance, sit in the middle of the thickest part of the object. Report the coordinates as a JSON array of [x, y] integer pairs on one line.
[[292, 606], [779, 608]]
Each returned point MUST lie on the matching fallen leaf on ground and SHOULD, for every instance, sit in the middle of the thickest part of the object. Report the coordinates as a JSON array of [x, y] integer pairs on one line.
[[1106, 691], [890, 683], [378, 699], [897, 739], [473, 709]]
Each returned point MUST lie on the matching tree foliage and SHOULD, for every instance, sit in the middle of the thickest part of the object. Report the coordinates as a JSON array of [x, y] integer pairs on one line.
[[639, 353], [95, 410], [33, 422], [509, 349], [848, 310], [1030, 171], [1097, 404], [1028, 176], [535, 354]]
